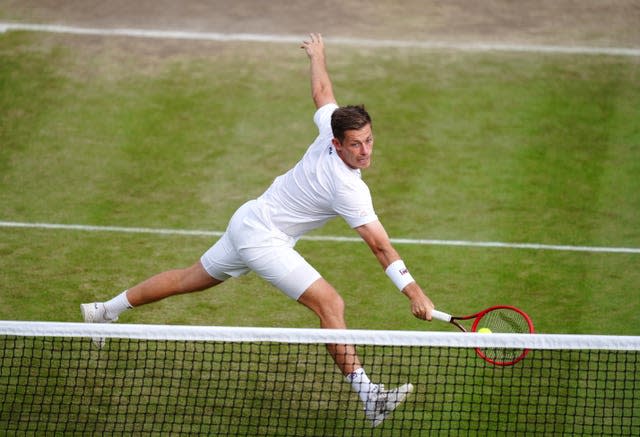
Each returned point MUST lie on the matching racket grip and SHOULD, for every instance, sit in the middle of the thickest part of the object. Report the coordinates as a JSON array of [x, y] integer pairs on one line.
[[439, 315]]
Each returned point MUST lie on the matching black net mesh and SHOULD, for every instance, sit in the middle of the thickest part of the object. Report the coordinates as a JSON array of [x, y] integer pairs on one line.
[[66, 386]]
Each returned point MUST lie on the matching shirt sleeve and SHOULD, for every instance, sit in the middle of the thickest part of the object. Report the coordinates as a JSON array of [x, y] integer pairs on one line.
[[322, 119], [354, 204]]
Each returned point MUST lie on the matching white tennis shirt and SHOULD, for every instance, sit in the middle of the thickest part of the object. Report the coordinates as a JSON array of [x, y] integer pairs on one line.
[[318, 188]]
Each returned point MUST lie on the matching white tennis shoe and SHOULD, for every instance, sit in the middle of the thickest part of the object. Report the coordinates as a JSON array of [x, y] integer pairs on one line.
[[381, 402], [95, 312]]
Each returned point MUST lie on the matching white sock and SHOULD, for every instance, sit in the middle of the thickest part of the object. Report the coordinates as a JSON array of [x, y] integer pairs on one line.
[[361, 383], [116, 306]]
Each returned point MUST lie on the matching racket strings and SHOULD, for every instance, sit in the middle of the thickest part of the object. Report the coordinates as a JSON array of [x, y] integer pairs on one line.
[[504, 321], [508, 322]]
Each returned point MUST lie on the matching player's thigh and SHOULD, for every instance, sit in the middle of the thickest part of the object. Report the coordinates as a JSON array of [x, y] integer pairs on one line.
[[282, 266], [197, 278]]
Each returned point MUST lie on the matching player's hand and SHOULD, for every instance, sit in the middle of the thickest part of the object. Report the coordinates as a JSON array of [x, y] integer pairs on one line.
[[314, 46], [421, 305]]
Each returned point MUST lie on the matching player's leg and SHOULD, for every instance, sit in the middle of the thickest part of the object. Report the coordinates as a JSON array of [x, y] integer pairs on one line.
[[170, 283], [280, 264], [157, 287], [327, 304], [325, 301], [216, 265]]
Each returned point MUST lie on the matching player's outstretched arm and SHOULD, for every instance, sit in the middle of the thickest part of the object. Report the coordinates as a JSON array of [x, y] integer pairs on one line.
[[378, 241], [321, 88]]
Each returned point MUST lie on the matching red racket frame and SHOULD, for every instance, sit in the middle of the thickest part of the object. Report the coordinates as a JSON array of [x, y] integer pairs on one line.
[[478, 316]]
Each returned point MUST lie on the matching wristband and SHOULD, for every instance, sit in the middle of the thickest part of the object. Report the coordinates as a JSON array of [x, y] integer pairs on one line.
[[399, 274]]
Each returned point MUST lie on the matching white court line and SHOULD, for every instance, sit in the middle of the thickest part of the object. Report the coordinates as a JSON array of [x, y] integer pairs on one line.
[[252, 37], [423, 242]]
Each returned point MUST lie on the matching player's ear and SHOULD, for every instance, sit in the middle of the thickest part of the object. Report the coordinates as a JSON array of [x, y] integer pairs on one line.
[[336, 144]]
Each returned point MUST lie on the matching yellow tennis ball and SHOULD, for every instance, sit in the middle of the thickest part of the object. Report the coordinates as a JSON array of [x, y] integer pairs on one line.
[[484, 331]]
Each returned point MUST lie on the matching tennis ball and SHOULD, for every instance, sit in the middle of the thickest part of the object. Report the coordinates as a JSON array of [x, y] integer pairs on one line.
[[484, 331]]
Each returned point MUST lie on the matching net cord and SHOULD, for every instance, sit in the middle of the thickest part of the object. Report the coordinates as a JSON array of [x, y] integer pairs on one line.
[[310, 336]]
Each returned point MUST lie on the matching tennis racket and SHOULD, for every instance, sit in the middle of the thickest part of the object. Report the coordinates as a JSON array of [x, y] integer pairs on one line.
[[496, 319]]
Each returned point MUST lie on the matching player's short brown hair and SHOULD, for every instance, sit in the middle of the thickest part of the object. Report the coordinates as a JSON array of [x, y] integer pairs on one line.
[[352, 117]]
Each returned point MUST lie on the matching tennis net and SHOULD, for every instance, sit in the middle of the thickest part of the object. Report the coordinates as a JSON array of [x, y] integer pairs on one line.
[[188, 380]]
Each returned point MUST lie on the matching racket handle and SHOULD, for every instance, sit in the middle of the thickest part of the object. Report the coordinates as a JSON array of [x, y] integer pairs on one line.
[[439, 315]]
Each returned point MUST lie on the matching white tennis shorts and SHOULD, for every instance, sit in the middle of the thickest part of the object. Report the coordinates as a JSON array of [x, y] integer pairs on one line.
[[250, 245]]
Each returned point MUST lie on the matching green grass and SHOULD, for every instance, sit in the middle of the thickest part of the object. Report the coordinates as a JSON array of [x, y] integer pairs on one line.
[[485, 147]]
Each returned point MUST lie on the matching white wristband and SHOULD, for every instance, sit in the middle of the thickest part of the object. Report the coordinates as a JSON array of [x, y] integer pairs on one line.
[[399, 274]]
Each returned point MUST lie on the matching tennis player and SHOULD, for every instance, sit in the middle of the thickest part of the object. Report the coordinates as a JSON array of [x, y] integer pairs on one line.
[[262, 233]]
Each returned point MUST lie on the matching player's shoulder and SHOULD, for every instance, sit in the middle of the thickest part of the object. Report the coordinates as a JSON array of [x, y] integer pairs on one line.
[[323, 114]]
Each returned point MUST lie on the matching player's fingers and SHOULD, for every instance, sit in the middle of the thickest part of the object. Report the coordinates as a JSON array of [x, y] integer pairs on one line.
[[419, 312], [429, 315], [316, 38], [307, 42], [424, 312]]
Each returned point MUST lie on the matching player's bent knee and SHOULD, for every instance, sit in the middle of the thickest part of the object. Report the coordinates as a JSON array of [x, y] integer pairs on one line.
[[332, 310], [326, 303], [318, 294]]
